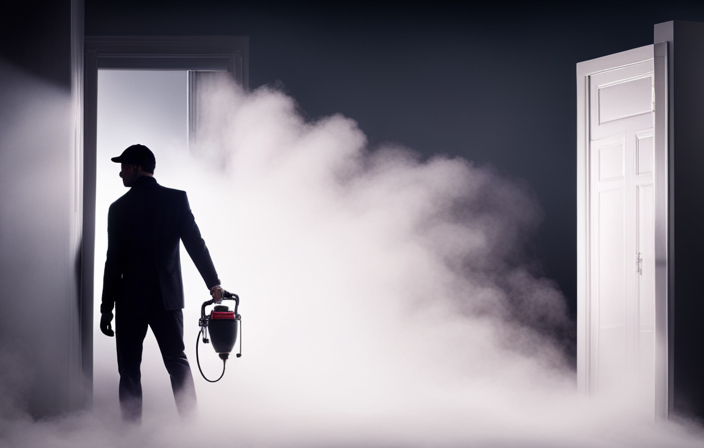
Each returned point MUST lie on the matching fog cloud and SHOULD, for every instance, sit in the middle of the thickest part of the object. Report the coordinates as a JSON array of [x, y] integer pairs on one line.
[[387, 300]]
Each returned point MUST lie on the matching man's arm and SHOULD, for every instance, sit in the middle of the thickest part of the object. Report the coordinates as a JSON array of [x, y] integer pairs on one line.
[[196, 248], [111, 276]]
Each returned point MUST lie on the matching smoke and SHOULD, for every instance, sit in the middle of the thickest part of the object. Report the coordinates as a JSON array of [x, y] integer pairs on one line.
[[387, 300], [38, 241]]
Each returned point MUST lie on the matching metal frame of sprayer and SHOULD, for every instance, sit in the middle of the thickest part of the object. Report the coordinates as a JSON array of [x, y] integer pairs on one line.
[[223, 326]]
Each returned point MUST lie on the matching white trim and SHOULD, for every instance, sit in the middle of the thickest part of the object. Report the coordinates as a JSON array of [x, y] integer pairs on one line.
[[661, 180]]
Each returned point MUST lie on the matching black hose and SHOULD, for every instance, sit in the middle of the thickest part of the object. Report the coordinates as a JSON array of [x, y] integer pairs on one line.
[[198, 362]]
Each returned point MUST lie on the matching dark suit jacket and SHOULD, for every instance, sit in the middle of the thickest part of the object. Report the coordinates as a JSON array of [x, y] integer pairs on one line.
[[143, 268]]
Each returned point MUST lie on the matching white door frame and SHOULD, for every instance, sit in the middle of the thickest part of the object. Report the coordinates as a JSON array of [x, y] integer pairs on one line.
[[202, 53], [658, 52]]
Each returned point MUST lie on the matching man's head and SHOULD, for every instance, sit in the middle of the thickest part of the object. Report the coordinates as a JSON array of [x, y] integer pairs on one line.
[[136, 161]]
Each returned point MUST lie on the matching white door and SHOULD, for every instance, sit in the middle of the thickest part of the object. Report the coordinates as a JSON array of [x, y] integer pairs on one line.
[[617, 260]]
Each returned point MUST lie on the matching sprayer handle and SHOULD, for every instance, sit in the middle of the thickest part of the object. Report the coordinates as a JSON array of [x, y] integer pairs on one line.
[[225, 296], [232, 296], [202, 308]]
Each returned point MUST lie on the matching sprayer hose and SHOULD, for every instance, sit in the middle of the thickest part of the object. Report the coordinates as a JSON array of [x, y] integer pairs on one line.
[[198, 362]]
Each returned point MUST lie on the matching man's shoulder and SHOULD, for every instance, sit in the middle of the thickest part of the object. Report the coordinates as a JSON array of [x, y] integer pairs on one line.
[[171, 193], [155, 192], [153, 188], [169, 190], [119, 202]]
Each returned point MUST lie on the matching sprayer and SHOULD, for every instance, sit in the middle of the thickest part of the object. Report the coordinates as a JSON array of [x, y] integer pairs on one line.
[[222, 325]]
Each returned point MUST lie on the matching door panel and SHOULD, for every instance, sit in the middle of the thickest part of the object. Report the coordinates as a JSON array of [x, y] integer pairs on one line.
[[618, 95], [613, 99], [611, 260], [609, 264], [621, 303]]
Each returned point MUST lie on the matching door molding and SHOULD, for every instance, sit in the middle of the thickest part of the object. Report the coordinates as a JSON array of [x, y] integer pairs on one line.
[[664, 264], [197, 53]]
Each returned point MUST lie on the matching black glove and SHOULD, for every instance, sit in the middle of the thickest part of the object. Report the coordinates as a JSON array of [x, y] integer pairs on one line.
[[105, 325]]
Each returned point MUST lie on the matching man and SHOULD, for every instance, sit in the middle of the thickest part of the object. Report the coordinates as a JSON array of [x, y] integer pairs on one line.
[[143, 278]]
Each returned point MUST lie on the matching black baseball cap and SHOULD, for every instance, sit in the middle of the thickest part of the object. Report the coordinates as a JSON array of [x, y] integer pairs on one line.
[[137, 155]]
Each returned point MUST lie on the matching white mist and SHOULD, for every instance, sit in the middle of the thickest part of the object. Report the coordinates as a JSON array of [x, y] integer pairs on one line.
[[386, 301]]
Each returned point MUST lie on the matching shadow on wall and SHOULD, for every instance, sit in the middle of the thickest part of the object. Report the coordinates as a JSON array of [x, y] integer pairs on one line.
[[38, 244]]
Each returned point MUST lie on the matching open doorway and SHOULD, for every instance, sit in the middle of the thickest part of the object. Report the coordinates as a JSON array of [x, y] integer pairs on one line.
[[148, 77], [147, 107]]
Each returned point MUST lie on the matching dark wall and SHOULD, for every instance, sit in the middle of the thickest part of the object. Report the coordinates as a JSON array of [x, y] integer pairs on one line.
[[491, 82], [39, 207], [35, 36], [686, 140]]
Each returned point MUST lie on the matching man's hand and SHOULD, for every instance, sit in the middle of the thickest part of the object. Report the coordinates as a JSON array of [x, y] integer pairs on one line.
[[105, 325], [217, 293]]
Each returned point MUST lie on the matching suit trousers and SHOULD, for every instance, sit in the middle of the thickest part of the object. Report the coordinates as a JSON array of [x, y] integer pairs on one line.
[[167, 327]]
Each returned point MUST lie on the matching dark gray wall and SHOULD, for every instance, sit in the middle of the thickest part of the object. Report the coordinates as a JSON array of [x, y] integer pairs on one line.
[[40, 209], [686, 148]]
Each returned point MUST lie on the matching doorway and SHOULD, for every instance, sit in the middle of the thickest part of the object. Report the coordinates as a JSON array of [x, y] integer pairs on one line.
[[136, 57], [622, 247], [151, 108]]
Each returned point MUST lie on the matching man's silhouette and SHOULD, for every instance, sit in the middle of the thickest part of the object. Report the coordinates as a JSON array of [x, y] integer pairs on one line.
[[143, 278]]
